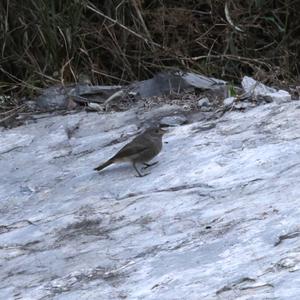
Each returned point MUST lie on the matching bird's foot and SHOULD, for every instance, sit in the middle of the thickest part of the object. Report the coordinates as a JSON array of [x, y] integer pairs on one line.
[[146, 166], [139, 173], [142, 175]]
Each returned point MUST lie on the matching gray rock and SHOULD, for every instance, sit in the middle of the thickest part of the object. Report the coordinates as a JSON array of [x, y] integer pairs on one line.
[[256, 88], [53, 98], [31, 105], [67, 97], [216, 218], [161, 84], [164, 83], [173, 120], [229, 101], [243, 105], [153, 117], [169, 82], [206, 109], [202, 82], [264, 99], [204, 102]]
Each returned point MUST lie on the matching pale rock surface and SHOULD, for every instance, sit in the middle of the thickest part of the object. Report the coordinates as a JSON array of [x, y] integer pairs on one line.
[[175, 120], [250, 85], [229, 101], [217, 218], [204, 102]]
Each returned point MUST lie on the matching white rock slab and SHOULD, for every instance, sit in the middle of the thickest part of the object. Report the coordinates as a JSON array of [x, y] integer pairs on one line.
[[257, 88], [217, 218]]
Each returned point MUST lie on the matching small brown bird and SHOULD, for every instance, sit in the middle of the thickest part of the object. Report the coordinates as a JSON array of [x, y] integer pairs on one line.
[[141, 149]]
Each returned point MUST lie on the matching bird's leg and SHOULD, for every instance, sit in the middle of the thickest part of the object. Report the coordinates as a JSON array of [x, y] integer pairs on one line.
[[137, 170], [149, 165]]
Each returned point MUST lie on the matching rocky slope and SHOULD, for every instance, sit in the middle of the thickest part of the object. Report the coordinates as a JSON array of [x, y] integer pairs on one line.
[[217, 218]]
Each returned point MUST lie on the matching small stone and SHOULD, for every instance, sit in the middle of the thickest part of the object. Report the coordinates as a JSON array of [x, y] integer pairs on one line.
[[257, 88], [281, 96], [242, 105], [250, 85], [53, 98], [264, 99], [203, 102], [173, 120], [229, 101], [205, 109], [31, 105]]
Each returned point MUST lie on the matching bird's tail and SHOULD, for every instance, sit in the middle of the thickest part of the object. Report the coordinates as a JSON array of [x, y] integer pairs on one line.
[[107, 163]]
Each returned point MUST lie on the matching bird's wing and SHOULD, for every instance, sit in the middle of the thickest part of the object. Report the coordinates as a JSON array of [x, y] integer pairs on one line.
[[130, 150]]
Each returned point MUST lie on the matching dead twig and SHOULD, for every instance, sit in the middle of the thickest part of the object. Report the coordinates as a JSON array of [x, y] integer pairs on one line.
[[98, 12]]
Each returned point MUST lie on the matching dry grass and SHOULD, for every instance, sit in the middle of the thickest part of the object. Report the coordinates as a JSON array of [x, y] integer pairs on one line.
[[47, 42]]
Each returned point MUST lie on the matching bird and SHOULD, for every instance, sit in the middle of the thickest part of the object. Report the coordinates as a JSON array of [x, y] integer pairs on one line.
[[141, 149]]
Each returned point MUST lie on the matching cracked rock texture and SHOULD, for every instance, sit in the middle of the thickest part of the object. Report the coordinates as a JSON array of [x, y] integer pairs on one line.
[[217, 218]]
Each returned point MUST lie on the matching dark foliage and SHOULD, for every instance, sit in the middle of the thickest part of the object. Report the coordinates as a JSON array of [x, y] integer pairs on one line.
[[45, 42]]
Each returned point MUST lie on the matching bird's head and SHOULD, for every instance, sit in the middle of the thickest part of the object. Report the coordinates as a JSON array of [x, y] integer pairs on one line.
[[156, 131]]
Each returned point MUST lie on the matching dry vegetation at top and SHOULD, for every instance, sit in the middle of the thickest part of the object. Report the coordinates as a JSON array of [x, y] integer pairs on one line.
[[47, 42]]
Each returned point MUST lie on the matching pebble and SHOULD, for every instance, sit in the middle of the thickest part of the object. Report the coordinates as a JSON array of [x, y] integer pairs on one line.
[[229, 101], [173, 120]]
